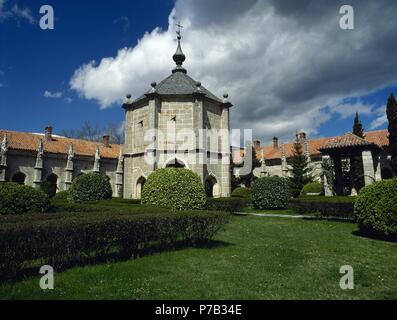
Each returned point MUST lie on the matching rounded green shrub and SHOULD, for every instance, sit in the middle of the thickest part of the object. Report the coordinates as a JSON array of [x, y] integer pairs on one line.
[[312, 188], [270, 193], [90, 187], [376, 208], [176, 188], [17, 199], [241, 192]]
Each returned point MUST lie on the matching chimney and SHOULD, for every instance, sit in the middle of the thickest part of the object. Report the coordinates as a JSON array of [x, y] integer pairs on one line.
[[48, 133], [275, 142], [106, 140], [302, 136], [257, 144]]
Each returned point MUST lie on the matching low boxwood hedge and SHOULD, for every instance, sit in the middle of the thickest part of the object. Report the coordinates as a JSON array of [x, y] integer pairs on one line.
[[90, 187], [376, 209], [270, 193], [17, 199], [58, 239], [241, 192], [230, 205], [337, 206], [312, 188], [174, 188]]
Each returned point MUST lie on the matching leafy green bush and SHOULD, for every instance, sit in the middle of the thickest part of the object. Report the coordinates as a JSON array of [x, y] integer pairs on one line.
[[90, 187], [314, 188], [175, 188], [270, 193], [60, 239], [376, 209], [230, 205], [17, 199], [327, 207], [241, 193]]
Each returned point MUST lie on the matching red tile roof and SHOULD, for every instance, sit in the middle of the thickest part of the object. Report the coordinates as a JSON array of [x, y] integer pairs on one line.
[[345, 141], [58, 145], [379, 137]]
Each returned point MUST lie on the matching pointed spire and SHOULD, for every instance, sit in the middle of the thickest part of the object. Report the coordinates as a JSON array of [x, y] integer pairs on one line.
[[4, 143], [179, 57]]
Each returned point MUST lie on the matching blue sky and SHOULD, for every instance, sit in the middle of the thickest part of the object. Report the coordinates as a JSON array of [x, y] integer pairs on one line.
[[37, 66]]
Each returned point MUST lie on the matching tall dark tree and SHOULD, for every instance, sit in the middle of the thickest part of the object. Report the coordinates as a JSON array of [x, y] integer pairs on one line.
[[391, 112], [356, 165], [301, 172], [358, 127]]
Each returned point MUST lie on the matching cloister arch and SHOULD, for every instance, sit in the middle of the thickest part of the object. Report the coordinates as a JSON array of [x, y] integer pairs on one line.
[[139, 187], [212, 187], [19, 177]]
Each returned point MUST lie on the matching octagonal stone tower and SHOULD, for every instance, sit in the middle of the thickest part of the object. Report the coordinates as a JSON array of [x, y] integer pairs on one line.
[[171, 125]]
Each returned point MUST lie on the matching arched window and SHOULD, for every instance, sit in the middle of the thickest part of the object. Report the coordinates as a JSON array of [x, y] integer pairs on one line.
[[52, 180], [212, 187], [19, 177], [139, 187]]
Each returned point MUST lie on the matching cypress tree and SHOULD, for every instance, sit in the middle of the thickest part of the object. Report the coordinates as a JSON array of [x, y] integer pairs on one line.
[[301, 173], [391, 111], [356, 164], [358, 127]]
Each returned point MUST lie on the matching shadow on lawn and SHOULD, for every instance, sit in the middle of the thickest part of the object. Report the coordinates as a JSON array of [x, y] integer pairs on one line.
[[111, 257], [374, 236]]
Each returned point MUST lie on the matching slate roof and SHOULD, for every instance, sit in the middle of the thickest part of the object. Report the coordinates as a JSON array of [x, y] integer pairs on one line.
[[58, 145], [179, 83]]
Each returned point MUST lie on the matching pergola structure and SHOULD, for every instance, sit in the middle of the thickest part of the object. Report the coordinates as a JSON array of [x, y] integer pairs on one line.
[[346, 147]]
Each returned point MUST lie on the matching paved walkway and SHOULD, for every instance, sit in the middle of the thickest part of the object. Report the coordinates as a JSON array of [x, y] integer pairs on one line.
[[296, 216]]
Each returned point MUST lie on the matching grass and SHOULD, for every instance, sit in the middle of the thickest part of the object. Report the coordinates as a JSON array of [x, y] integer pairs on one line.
[[268, 211], [255, 258]]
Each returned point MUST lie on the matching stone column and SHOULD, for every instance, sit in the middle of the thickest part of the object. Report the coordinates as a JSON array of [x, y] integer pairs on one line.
[[200, 158], [119, 175], [3, 158], [378, 172], [154, 106], [97, 159], [38, 168], [338, 174], [69, 168], [368, 164], [284, 164], [225, 148], [327, 188]]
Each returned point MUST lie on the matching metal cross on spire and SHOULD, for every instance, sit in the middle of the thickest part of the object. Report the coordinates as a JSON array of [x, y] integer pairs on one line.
[[179, 26]]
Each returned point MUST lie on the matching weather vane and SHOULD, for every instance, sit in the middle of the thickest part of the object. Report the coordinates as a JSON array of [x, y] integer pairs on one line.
[[179, 26]]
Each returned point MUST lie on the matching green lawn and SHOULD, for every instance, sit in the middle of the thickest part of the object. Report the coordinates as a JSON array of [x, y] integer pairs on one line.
[[255, 258]]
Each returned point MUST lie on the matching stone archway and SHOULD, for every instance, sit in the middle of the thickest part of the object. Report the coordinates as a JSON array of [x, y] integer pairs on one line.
[[19, 177], [139, 187], [212, 187], [52, 180], [175, 163]]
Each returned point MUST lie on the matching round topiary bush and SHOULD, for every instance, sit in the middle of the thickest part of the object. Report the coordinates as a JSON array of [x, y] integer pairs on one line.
[[17, 199], [176, 188], [312, 188], [376, 208], [90, 187], [241, 192], [270, 193]]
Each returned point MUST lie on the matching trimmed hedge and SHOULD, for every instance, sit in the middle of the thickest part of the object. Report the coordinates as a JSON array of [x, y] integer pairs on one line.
[[61, 239], [17, 199], [174, 188], [230, 205], [270, 193], [376, 209], [338, 206], [241, 193], [90, 187], [313, 188]]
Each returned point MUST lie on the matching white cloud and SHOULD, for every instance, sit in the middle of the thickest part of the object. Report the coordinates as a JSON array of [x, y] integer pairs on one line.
[[346, 110], [381, 118], [57, 95], [15, 12], [49, 94], [281, 64]]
